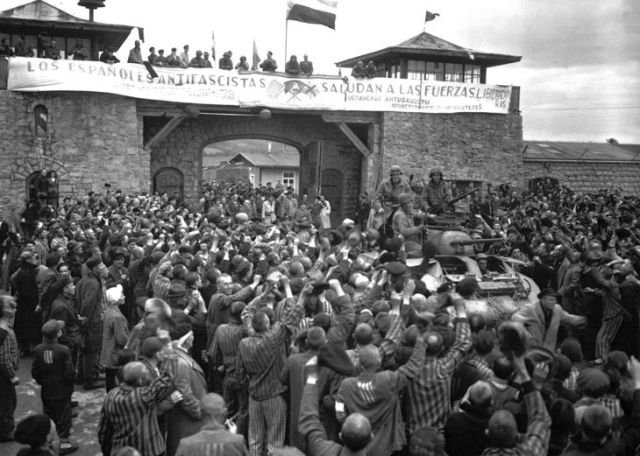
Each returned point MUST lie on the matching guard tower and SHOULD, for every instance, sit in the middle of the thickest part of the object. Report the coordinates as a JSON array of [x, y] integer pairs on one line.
[[431, 58], [40, 23]]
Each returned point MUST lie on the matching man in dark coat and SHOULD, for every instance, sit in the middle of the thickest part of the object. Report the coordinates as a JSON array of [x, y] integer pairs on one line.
[[293, 376], [53, 370], [23, 282], [464, 432], [91, 304]]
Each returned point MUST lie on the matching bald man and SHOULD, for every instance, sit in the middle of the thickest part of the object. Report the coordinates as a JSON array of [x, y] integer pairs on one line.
[[213, 439], [356, 430], [464, 432], [374, 395], [128, 416]]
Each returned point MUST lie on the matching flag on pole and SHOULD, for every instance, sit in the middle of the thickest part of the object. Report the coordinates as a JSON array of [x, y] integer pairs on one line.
[[213, 46], [256, 57], [429, 16], [322, 12]]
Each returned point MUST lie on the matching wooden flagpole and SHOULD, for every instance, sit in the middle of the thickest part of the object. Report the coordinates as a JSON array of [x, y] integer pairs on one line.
[[286, 40]]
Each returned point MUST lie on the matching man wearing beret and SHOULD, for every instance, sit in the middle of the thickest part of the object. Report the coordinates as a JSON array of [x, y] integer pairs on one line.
[[91, 304], [543, 319], [53, 370]]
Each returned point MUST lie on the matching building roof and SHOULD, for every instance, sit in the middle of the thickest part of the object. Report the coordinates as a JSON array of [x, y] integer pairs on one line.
[[265, 160], [426, 45], [41, 17], [257, 152], [580, 151]]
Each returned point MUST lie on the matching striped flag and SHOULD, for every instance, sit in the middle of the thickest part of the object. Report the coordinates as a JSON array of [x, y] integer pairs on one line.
[[256, 58], [322, 12]]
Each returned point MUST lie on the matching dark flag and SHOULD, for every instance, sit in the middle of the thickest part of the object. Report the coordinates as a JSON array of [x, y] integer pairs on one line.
[[430, 16]]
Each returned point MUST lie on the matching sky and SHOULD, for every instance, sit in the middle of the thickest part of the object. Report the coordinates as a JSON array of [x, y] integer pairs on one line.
[[580, 68]]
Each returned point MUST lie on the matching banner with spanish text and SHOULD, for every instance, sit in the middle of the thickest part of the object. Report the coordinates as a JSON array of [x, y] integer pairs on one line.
[[256, 89]]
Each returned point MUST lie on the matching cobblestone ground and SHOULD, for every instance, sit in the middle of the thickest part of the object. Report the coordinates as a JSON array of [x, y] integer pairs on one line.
[[85, 425]]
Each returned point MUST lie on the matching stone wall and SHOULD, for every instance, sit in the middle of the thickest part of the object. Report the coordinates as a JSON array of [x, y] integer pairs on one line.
[[91, 139], [183, 147], [588, 177], [468, 146]]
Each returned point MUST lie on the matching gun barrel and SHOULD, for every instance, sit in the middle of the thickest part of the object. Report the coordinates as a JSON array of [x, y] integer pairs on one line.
[[476, 241], [464, 195]]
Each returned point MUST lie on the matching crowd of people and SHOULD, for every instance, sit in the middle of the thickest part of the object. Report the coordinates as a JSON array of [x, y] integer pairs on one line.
[[184, 59], [250, 324]]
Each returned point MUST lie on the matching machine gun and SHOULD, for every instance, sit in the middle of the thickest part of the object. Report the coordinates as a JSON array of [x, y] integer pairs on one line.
[[464, 242], [453, 201]]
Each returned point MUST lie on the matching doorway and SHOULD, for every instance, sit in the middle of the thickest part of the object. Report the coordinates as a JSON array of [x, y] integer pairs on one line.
[[331, 189], [169, 181]]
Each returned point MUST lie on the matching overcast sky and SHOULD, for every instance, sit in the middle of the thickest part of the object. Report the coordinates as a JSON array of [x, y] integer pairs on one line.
[[580, 58]]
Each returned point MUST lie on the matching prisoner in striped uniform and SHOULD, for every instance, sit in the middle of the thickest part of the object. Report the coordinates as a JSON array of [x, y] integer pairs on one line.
[[128, 416], [429, 391], [261, 358]]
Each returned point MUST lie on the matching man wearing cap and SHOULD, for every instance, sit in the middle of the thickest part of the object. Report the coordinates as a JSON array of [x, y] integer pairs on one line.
[[543, 319], [53, 370], [91, 304], [435, 194]]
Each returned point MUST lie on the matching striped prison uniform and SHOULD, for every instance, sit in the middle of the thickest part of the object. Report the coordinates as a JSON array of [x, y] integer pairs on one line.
[[261, 358], [224, 352], [536, 440], [430, 389], [612, 318], [128, 418]]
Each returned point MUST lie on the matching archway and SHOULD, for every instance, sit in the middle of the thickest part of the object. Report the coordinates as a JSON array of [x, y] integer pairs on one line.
[[170, 181], [258, 161]]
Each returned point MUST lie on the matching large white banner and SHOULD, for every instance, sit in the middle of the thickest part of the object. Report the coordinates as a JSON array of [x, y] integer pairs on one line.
[[256, 89]]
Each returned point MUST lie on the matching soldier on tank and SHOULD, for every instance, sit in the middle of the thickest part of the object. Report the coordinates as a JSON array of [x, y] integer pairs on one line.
[[435, 193]]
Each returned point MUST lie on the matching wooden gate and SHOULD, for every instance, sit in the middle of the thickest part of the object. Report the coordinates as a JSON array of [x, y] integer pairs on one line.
[[169, 180], [331, 188]]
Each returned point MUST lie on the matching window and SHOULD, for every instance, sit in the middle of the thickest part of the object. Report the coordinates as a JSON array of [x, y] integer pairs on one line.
[[453, 72], [288, 179], [472, 74], [41, 120], [394, 71], [434, 71], [416, 69]]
